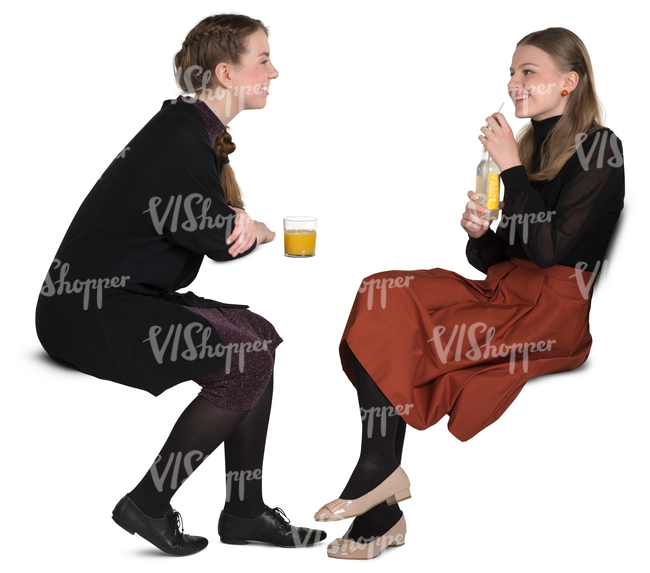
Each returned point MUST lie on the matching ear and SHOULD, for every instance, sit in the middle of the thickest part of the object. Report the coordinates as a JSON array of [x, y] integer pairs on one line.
[[222, 74], [570, 81]]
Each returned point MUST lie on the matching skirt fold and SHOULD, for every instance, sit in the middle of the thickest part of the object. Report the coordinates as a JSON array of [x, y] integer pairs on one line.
[[439, 343]]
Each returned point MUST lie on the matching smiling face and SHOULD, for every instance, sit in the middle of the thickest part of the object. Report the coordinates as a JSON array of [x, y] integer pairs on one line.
[[536, 84], [252, 77]]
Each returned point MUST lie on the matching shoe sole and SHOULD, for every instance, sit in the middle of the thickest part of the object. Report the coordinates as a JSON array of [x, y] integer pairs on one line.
[[132, 532], [231, 541], [366, 558]]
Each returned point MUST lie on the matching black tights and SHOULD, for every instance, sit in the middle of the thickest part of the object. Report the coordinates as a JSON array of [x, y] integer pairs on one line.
[[201, 428], [382, 442]]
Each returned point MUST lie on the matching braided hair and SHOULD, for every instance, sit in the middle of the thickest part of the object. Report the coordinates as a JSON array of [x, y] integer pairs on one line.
[[215, 39]]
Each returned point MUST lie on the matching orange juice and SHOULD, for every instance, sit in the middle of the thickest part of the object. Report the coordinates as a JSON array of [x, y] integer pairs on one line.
[[300, 242]]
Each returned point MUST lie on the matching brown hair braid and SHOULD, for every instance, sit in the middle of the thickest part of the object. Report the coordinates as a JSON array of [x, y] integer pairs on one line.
[[215, 39]]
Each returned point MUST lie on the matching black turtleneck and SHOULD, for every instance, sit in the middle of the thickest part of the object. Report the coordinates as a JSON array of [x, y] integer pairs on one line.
[[568, 220]]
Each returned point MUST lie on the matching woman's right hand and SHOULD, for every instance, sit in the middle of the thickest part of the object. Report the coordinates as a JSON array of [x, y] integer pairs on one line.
[[473, 225], [243, 235]]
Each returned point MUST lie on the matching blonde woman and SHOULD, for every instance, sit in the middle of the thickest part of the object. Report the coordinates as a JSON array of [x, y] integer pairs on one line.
[[423, 344]]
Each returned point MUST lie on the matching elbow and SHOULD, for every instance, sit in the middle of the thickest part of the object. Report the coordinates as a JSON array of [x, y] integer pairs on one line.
[[224, 255], [220, 256]]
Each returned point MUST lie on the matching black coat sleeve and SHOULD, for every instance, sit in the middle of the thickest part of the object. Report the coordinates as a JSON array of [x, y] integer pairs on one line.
[[187, 203]]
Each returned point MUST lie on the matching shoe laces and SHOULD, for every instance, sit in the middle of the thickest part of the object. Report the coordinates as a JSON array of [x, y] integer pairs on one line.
[[179, 524], [281, 513]]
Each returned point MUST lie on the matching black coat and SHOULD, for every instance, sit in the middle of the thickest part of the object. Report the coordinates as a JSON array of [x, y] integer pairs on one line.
[[108, 306]]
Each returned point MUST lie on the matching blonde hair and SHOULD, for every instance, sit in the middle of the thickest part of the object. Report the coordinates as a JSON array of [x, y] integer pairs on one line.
[[215, 39], [583, 113]]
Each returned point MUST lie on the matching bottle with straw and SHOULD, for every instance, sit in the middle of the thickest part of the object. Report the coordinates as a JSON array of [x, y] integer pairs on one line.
[[488, 185]]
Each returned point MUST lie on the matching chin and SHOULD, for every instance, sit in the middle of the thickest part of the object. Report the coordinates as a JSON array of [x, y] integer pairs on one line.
[[256, 104]]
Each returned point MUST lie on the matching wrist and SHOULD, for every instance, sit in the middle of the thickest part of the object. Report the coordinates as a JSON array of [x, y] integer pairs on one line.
[[260, 233], [509, 164]]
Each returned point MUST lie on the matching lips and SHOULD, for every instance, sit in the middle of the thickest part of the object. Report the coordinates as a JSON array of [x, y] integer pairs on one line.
[[520, 98]]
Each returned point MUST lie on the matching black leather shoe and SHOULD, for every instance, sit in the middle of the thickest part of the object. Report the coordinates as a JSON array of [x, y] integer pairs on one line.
[[164, 533], [270, 527]]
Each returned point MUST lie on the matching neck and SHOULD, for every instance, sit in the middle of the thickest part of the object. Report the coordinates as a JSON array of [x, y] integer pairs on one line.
[[542, 127], [222, 107]]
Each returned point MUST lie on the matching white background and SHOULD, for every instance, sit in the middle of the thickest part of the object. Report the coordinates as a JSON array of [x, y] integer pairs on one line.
[[372, 126]]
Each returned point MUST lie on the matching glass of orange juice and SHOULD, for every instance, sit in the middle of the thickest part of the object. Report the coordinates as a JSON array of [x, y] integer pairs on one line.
[[300, 236]]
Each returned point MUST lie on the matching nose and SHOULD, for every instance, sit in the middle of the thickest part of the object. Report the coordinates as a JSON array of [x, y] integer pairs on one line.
[[273, 73], [513, 85]]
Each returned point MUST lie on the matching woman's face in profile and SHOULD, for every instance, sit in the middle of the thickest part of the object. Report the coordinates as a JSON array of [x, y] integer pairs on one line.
[[253, 76], [536, 84]]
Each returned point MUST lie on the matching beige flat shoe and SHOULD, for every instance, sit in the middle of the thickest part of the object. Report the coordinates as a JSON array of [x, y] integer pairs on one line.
[[348, 549], [396, 487]]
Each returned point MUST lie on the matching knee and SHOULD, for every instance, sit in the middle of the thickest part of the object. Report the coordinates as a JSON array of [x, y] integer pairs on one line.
[[256, 359], [379, 285]]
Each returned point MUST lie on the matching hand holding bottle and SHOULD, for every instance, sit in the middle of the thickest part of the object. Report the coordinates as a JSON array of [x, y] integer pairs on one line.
[[500, 142], [471, 223]]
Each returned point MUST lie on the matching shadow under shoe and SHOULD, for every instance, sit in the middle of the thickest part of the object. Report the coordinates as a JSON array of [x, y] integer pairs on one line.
[[272, 526], [164, 532]]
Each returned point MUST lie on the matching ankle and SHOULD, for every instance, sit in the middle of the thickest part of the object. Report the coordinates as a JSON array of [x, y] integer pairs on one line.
[[245, 511], [374, 523], [148, 507], [369, 472]]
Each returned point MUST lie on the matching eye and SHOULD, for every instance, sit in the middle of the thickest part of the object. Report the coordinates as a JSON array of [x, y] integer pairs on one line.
[[265, 61], [526, 72]]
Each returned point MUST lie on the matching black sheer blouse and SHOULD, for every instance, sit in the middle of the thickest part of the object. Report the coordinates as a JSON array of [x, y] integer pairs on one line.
[[568, 220]]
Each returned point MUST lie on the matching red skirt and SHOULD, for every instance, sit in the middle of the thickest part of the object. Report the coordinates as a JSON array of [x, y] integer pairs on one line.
[[437, 343]]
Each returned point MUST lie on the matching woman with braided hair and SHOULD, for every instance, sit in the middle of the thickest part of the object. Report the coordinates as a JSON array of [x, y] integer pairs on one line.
[[159, 207]]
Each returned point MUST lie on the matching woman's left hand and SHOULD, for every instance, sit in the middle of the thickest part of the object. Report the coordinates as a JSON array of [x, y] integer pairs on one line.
[[243, 235], [500, 142]]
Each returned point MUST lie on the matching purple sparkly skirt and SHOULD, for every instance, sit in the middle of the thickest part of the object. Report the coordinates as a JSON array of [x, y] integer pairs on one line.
[[248, 343]]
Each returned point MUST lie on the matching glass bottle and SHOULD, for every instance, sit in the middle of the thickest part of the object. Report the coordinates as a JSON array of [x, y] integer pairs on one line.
[[488, 187]]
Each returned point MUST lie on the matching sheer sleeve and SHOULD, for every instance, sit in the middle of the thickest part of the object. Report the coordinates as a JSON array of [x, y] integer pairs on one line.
[[593, 188], [486, 251]]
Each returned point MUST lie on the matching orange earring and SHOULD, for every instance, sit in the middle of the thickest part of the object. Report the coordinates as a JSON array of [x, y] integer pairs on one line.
[[564, 92]]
